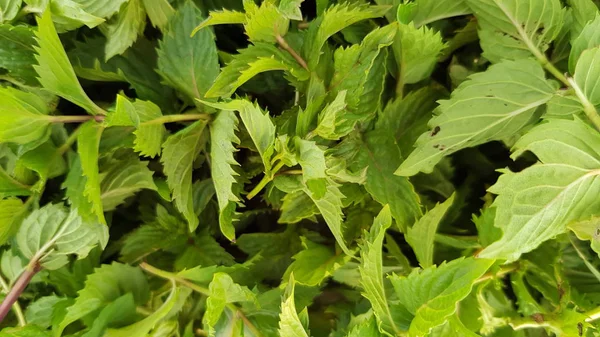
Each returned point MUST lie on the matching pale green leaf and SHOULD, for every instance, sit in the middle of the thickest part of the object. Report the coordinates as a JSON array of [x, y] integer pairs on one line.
[[223, 291], [329, 203], [171, 306], [11, 187], [104, 286], [40, 312], [188, 64], [149, 136], [290, 324], [88, 141], [291, 9], [159, 12], [24, 116], [431, 295], [589, 38], [17, 54], [421, 236], [379, 153], [331, 22], [583, 11], [588, 230], [122, 31], [297, 206], [101, 8], [452, 328], [122, 179], [539, 202], [69, 15], [367, 328], [220, 18], [119, 312], [259, 126], [417, 51], [331, 117], [25, 331], [360, 71], [9, 9], [312, 160], [371, 271], [11, 210], [54, 69], [587, 75], [222, 139], [179, 152], [563, 105], [492, 105], [50, 234], [314, 263], [256, 59], [524, 27], [428, 11], [266, 23]]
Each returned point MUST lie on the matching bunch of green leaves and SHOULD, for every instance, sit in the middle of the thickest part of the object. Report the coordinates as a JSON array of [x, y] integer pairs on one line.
[[299, 168]]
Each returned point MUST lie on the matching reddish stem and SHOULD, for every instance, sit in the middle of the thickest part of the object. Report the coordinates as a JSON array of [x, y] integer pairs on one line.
[[17, 289]]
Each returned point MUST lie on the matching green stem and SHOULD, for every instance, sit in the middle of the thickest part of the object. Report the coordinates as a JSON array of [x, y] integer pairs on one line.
[[74, 119], [176, 118], [68, 143], [588, 108], [199, 289], [173, 277], [593, 315], [265, 180], [504, 270]]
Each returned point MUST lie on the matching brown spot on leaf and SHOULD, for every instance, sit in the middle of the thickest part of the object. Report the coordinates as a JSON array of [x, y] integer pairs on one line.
[[538, 318], [435, 131]]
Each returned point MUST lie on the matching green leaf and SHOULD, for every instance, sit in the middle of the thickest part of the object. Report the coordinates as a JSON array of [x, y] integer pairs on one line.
[[331, 22], [289, 321], [380, 154], [171, 306], [265, 23], [583, 11], [297, 206], [122, 31], [259, 126], [17, 54], [70, 15], [159, 12], [586, 75], [222, 138], [101, 8], [9, 9], [189, 65], [104, 286], [510, 29], [588, 230], [314, 263], [428, 11], [223, 291], [328, 199], [88, 141], [122, 179], [50, 235], [54, 69], [25, 331], [498, 103], [431, 295], [291, 9], [41, 311], [118, 312], [220, 18], [11, 210], [421, 236], [331, 118], [10, 187], [371, 271], [367, 328], [539, 202], [256, 59], [179, 152], [418, 52], [24, 116], [588, 38], [149, 136]]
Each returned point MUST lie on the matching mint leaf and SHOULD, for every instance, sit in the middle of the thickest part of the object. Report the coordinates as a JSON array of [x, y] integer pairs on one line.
[[562, 175], [421, 236], [125, 29], [508, 108], [54, 69], [24, 116], [189, 65], [179, 152], [265, 23], [222, 139], [159, 12], [88, 141], [289, 321], [11, 210], [17, 54], [314, 264]]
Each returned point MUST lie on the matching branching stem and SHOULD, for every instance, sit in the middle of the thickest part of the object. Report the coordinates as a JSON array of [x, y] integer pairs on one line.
[[265, 180], [285, 46], [13, 295]]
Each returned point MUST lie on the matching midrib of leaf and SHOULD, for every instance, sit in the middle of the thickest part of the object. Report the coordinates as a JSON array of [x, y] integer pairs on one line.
[[507, 117], [12, 180]]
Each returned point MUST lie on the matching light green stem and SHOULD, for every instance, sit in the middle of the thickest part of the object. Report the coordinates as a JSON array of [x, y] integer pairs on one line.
[[265, 180]]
